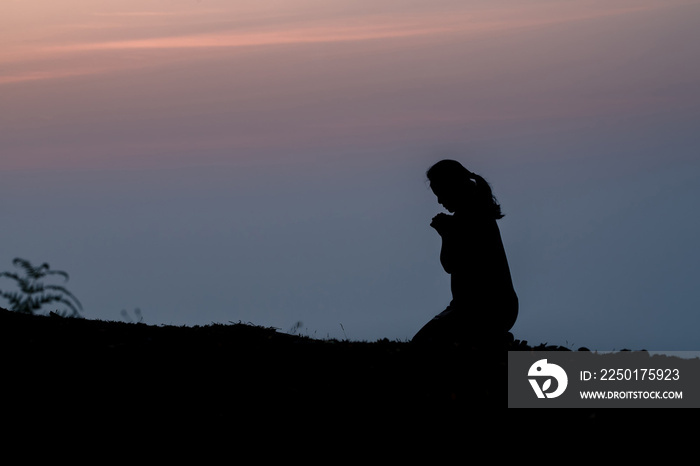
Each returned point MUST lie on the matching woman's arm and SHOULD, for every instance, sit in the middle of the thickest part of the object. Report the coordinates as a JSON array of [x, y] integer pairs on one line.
[[452, 252]]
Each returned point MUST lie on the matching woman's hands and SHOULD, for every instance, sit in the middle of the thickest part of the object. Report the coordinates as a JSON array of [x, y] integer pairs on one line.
[[442, 223]]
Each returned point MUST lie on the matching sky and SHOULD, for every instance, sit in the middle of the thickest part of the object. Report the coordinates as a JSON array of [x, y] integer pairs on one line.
[[221, 161]]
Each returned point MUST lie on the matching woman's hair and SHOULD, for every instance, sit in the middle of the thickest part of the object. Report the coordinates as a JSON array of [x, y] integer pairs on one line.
[[453, 174]]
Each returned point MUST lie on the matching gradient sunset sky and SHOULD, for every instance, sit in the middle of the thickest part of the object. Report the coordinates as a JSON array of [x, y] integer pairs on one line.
[[264, 161]]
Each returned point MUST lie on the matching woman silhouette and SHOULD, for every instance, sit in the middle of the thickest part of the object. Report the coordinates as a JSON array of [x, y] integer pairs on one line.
[[484, 304]]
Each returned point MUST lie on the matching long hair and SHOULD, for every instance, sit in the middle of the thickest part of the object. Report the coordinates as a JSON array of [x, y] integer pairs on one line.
[[453, 174]]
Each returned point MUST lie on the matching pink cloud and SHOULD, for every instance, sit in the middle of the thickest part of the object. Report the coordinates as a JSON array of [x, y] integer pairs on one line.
[[44, 60], [252, 39]]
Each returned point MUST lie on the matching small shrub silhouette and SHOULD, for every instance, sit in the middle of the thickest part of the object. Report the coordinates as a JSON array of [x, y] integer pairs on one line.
[[33, 294], [137, 313]]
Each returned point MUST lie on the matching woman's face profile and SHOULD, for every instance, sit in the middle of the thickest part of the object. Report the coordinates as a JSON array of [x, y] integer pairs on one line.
[[446, 196]]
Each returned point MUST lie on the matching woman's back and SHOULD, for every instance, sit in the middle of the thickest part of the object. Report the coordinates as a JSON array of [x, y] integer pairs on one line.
[[480, 275]]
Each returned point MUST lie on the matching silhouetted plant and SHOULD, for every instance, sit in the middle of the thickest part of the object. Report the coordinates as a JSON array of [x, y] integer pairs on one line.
[[137, 312], [295, 328], [33, 294]]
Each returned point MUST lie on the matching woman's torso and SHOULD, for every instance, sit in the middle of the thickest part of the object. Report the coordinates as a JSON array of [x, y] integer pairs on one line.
[[481, 275]]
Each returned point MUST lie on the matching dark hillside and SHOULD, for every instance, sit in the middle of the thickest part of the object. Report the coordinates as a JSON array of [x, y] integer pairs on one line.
[[89, 368]]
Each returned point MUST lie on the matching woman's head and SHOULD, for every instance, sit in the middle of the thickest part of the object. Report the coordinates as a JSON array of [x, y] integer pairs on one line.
[[458, 189]]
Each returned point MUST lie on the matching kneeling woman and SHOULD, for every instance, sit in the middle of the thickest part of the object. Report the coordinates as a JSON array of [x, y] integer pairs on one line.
[[484, 304]]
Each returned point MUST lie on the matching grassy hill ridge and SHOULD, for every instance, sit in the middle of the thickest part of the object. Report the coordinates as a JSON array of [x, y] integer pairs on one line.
[[89, 367]]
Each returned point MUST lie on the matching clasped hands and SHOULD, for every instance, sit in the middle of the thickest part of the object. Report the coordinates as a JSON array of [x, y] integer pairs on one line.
[[442, 223]]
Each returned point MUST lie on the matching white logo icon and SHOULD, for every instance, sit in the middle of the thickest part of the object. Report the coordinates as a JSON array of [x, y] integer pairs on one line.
[[551, 371]]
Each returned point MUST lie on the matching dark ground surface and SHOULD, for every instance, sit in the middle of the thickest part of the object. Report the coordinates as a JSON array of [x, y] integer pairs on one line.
[[93, 371]]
